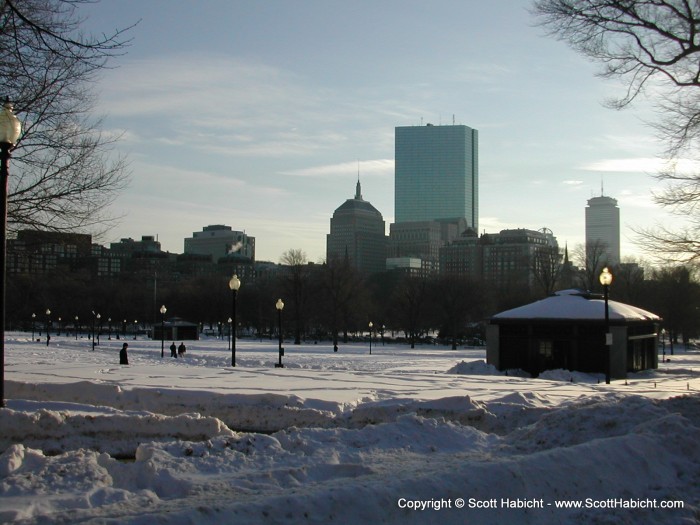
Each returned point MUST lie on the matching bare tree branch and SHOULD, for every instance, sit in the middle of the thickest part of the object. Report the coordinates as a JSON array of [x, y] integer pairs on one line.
[[64, 175], [647, 43]]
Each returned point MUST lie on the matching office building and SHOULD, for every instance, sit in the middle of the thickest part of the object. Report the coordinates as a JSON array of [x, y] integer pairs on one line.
[[148, 245], [423, 240], [220, 241], [36, 252], [358, 232], [436, 174], [603, 230], [508, 258]]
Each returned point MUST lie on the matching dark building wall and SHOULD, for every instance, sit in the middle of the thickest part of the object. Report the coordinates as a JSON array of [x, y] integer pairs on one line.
[[537, 345]]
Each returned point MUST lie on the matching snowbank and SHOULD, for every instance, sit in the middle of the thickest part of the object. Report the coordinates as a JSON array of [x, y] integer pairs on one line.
[[402, 442]]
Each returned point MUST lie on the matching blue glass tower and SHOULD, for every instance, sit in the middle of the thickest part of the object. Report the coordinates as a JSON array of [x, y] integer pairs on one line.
[[436, 174]]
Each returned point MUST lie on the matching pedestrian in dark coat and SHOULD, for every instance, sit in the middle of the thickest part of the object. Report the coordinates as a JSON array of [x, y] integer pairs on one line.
[[173, 350], [181, 349], [123, 357]]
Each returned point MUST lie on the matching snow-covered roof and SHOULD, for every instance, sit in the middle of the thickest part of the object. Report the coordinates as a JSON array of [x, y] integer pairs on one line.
[[575, 304]]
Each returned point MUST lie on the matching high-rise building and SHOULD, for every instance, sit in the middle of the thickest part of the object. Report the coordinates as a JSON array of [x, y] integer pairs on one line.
[[436, 174], [603, 229], [358, 232], [221, 241]]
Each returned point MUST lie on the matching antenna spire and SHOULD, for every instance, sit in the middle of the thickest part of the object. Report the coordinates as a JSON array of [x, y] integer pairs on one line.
[[358, 188]]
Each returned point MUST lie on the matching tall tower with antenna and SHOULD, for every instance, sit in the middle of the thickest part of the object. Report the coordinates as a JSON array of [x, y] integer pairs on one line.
[[603, 229]]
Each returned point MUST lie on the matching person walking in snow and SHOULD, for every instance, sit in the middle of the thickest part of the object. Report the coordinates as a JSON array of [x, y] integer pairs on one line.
[[181, 349], [173, 350], [123, 357]]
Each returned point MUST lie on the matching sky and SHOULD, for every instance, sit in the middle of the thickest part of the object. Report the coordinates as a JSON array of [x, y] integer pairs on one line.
[[261, 115]]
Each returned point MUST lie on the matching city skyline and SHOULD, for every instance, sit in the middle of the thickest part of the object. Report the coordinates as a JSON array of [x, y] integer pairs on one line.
[[259, 115]]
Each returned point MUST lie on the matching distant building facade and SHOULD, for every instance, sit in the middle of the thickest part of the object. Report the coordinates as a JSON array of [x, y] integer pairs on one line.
[[423, 240], [358, 232], [221, 241], [129, 247], [463, 256], [36, 252], [603, 228], [436, 174], [502, 259]]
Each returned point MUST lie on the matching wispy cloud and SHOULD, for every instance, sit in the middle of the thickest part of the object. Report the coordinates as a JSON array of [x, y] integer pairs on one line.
[[374, 167], [232, 107], [649, 165]]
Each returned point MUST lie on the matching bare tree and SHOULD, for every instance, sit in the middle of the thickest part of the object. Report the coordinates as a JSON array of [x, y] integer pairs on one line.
[[63, 175], [639, 42], [547, 268], [590, 258], [296, 282], [651, 46], [408, 301], [338, 284]]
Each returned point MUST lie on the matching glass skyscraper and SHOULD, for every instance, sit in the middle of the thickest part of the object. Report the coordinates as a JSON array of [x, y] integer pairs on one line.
[[436, 174]]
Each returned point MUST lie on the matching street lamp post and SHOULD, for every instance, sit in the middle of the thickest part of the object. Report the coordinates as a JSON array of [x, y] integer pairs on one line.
[[663, 345], [59, 326], [109, 328], [48, 326], [163, 309], [33, 325], [234, 284], [99, 328], [371, 325], [229, 321], [93, 330], [280, 306], [10, 129], [76, 327], [606, 279]]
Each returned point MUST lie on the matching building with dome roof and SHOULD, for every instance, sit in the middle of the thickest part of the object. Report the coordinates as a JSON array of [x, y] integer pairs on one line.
[[567, 331], [358, 233]]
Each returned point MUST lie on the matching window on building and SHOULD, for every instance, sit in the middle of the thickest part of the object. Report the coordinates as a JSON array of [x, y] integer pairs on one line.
[[546, 349]]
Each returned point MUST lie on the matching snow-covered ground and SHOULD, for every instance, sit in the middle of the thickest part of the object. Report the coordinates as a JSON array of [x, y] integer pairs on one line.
[[399, 436]]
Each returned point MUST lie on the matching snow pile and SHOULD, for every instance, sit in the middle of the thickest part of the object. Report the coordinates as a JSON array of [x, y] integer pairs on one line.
[[458, 409], [571, 376], [479, 367], [118, 434], [386, 438], [632, 449], [475, 368]]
